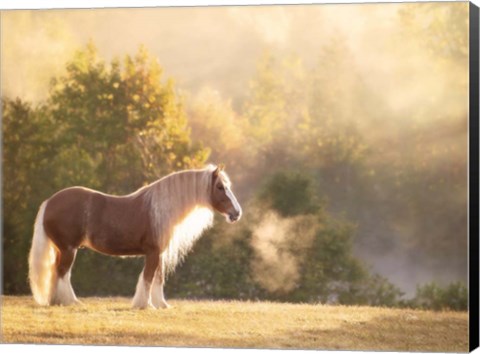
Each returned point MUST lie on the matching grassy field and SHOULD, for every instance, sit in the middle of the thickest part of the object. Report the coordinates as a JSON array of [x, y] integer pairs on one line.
[[234, 324]]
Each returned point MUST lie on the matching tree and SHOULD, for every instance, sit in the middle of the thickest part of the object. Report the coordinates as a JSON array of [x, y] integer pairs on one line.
[[318, 244], [217, 268], [442, 27], [215, 124], [453, 296], [110, 127], [26, 175], [276, 104], [218, 127], [124, 123]]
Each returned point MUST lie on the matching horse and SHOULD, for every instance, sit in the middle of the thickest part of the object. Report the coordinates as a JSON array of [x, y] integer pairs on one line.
[[160, 221]]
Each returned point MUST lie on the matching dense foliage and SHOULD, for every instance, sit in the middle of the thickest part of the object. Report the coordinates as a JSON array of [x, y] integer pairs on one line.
[[331, 175], [453, 296], [110, 127]]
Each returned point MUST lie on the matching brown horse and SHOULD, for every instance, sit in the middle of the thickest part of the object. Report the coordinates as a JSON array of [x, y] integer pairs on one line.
[[160, 221]]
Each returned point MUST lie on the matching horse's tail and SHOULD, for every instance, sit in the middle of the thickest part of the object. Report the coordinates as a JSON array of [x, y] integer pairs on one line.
[[41, 261]]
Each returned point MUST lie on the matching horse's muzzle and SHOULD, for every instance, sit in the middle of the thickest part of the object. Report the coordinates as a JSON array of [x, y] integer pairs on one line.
[[233, 217]]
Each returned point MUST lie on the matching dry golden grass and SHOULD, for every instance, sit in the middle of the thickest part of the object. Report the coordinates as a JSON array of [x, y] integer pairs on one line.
[[234, 324]]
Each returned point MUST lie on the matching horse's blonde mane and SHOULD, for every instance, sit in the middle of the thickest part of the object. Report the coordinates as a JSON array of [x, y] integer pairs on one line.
[[180, 211]]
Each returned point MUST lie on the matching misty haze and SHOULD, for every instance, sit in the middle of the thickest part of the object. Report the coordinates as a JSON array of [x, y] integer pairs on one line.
[[343, 127]]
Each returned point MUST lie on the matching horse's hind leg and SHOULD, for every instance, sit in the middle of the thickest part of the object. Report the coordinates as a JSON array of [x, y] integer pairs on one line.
[[142, 298], [158, 297], [63, 291]]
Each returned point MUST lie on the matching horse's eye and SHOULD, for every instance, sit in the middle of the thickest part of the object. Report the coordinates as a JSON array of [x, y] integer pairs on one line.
[[221, 187]]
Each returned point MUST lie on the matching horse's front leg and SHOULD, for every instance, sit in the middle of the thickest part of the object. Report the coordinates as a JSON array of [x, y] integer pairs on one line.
[[142, 298], [158, 297]]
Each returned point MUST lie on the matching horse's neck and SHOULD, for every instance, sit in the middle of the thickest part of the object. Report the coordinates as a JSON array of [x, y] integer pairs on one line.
[[180, 194], [178, 211], [198, 187]]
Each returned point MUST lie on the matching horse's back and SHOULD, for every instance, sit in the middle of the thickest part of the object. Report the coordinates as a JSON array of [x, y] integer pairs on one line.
[[117, 225]]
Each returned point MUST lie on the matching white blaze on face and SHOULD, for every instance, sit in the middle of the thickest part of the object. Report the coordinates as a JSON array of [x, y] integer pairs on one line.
[[229, 194], [235, 204]]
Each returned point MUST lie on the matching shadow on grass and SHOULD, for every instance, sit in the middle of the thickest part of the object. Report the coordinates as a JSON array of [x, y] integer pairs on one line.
[[387, 333]]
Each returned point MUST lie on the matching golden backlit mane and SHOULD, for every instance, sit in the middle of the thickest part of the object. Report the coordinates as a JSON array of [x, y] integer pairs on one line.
[[180, 211]]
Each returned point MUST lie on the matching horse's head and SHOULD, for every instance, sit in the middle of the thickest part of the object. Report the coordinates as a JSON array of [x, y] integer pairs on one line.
[[222, 197]]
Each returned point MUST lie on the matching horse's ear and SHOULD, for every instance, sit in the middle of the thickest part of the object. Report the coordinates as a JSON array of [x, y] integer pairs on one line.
[[217, 170]]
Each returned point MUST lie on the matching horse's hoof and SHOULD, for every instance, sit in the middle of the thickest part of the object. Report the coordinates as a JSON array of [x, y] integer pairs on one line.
[[139, 307], [164, 305]]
